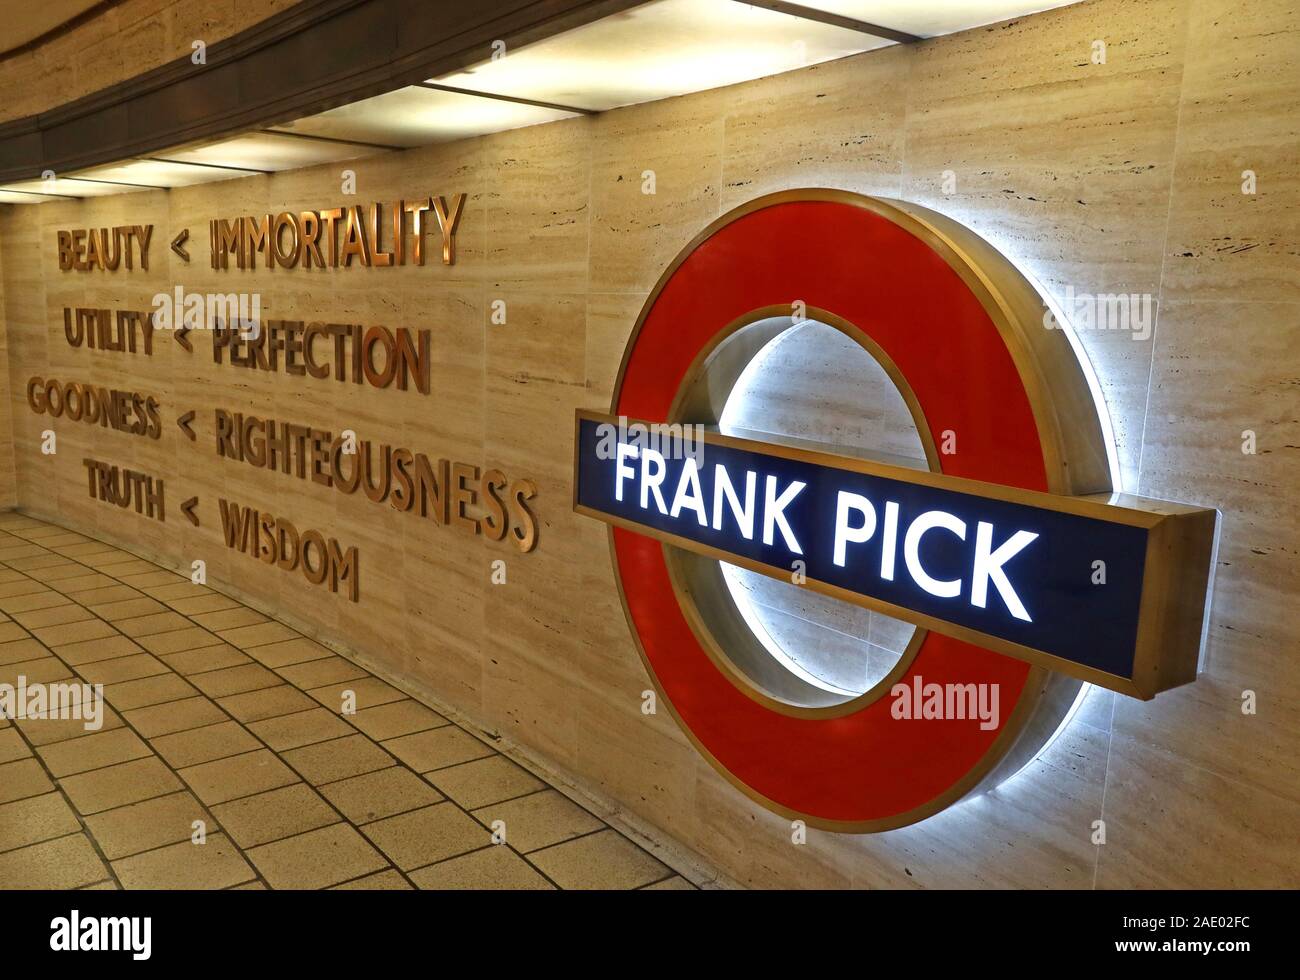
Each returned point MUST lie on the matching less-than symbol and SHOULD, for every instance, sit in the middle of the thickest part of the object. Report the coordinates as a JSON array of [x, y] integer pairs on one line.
[[187, 509], [181, 333], [178, 241], [184, 422]]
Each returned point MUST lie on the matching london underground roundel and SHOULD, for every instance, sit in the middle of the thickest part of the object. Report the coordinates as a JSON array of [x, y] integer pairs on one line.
[[1022, 568]]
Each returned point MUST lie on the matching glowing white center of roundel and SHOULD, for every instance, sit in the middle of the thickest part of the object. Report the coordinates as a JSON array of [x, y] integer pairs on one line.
[[856, 523]]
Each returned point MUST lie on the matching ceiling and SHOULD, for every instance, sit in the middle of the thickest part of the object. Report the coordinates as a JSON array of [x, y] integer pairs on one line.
[[653, 51]]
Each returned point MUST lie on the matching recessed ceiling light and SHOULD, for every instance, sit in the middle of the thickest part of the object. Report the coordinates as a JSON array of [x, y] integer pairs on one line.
[[159, 173], [15, 197], [417, 116], [72, 187], [268, 151], [661, 49]]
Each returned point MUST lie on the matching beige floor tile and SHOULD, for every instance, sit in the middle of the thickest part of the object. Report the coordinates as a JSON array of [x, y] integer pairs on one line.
[[207, 744], [85, 553], [175, 716], [175, 641], [214, 864], [36, 600], [21, 551], [16, 651], [432, 833], [296, 651], [21, 779], [326, 762], [106, 557], [539, 820], [437, 749], [141, 693], [12, 631], [176, 590], [327, 670], [229, 619], [163, 622], [122, 669], [300, 728], [204, 659], [54, 616], [384, 881], [603, 860], [492, 867], [95, 587], [140, 573], [143, 826], [317, 858], [267, 703], [13, 747], [114, 786], [380, 794], [189, 605], [128, 608], [235, 680], [21, 586], [240, 775], [397, 718], [93, 752], [144, 816], [274, 815], [67, 862], [366, 692], [101, 648], [91, 629], [34, 819], [58, 571], [674, 884], [247, 637], [43, 731], [484, 781], [44, 670]]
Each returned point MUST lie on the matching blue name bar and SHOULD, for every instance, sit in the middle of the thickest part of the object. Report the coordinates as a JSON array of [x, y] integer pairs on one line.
[[1013, 570]]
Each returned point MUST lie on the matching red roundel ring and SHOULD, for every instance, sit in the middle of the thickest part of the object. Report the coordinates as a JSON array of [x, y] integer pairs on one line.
[[863, 261]]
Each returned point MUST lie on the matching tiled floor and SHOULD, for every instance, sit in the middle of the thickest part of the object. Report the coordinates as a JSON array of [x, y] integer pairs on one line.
[[217, 714]]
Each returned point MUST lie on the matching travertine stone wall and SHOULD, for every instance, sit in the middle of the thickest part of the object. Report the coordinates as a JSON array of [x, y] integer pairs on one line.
[[1123, 176]]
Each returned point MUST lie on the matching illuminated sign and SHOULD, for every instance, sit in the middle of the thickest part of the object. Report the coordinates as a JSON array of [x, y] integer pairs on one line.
[[1015, 569], [1021, 567]]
